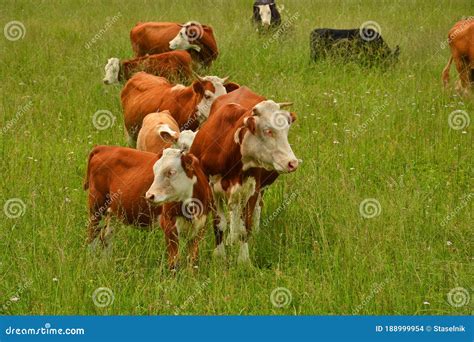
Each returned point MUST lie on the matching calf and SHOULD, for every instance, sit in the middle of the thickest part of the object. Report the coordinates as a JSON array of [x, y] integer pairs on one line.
[[266, 13], [363, 43], [189, 106], [158, 37], [235, 145], [175, 65], [118, 179], [461, 42], [160, 131]]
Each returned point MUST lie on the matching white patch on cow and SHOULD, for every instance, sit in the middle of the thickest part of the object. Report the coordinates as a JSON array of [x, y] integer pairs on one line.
[[170, 183], [265, 14], [181, 41], [185, 140], [218, 84], [189, 229], [219, 251], [268, 146], [204, 107], [244, 256], [239, 196], [178, 87], [257, 213], [112, 69]]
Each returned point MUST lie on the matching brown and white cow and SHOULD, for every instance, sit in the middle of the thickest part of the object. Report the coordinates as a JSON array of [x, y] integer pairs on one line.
[[461, 42], [175, 65], [160, 131], [158, 37], [240, 148], [189, 106], [121, 184]]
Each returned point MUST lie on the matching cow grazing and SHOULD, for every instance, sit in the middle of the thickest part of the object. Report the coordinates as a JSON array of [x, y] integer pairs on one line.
[[157, 37], [119, 181], [461, 42], [189, 106], [265, 13], [239, 146], [359, 44], [174, 65], [160, 131]]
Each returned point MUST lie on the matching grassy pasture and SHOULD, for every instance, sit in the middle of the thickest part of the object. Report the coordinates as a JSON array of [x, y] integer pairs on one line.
[[362, 134]]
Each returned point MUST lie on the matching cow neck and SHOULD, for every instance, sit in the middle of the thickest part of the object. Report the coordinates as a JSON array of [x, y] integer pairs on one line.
[[189, 120]]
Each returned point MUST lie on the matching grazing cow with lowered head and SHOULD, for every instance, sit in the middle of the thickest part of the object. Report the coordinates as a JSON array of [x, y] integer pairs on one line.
[[234, 146], [121, 183], [461, 42], [157, 37], [265, 13], [160, 131], [358, 44], [189, 106], [174, 65]]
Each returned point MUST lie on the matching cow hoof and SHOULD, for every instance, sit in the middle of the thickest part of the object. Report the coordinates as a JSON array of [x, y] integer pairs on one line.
[[244, 257]]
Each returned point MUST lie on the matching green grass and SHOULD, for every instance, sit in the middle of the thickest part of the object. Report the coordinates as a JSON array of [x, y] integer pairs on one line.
[[319, 247]]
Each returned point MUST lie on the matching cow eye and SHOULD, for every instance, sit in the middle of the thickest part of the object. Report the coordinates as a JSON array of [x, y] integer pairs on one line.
[[207, 97], [268, 132], [170, 173]]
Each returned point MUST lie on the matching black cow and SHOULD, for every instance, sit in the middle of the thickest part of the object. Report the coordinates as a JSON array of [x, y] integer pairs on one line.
[[265, 13], [359, 44]]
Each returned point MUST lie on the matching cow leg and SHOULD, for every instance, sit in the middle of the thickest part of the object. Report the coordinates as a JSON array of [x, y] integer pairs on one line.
[[238, 199], [463, 69], [130, 141], [106, 234], [250, 208], [172, 240], [96, 205], [257, 213], [198, 227], [220, 224]]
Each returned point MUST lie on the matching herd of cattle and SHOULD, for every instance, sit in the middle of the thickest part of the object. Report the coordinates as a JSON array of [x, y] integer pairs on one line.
[[207, 149]]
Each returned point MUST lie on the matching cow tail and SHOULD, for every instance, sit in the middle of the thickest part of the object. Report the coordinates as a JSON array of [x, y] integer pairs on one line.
[[445, 74], [86, 179]]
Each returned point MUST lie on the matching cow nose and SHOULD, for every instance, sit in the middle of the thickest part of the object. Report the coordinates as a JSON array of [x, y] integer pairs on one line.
[[150, 197], [106, 81], [292, 165]]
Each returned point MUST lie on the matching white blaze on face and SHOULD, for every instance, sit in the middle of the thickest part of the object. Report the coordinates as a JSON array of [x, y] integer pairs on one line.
[[170, 184], [204, 107], [268, 146], [182, 41], [112, 69], [185, 140], [265, 14]]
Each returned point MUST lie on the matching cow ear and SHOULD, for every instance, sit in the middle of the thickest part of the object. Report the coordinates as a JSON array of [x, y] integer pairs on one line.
[[188, 161], [231, 86], [293, 117], [167, 134], [198, 87], [251, 123]]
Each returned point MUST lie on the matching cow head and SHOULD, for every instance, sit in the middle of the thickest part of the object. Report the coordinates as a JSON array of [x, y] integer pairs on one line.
[[264, 141], [185, 140], [174, 177], [266, 13], [208, 88], [112, 69], [187, 36]]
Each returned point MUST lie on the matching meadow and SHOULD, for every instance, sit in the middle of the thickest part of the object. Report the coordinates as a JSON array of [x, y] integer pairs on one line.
[[376, 220]]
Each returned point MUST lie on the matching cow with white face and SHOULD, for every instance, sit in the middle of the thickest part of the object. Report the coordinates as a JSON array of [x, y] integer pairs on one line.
[[187, 36], [181, 187], [112, 70], [265, 13], [242, 147]]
